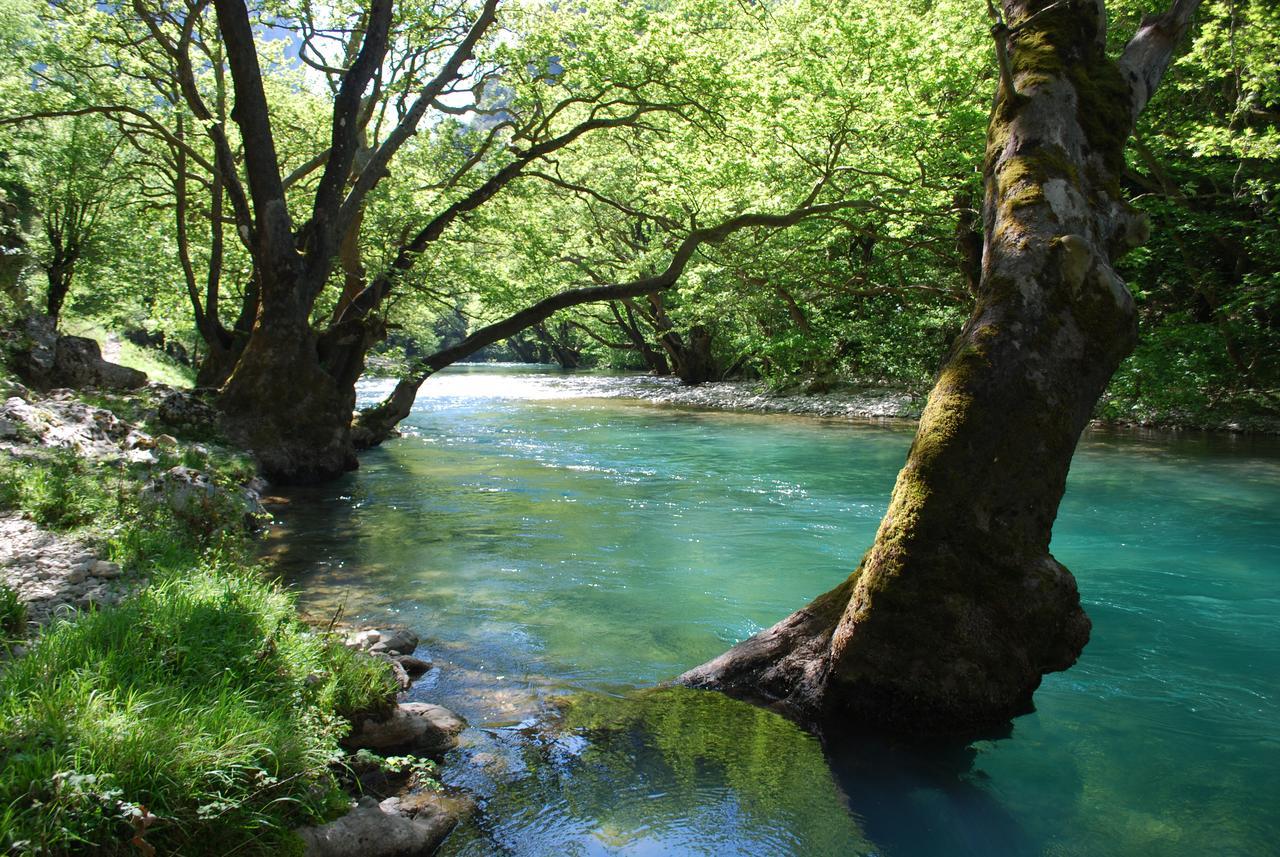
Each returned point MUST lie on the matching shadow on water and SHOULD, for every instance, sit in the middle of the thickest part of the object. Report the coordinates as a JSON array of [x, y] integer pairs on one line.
[[924, 797]]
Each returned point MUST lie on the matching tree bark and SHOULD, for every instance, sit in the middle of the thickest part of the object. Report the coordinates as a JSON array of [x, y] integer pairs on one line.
[[280, 401], [958, 609], [59, 275]]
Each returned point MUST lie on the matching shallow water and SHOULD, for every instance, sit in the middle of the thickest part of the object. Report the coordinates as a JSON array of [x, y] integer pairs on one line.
[[548, 540]]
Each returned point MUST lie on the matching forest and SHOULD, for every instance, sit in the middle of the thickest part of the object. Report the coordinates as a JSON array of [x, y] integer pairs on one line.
[[289, 289]]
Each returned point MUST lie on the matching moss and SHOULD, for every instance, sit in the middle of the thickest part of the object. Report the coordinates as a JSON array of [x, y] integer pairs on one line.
[[1102, 109], [1036, 58]]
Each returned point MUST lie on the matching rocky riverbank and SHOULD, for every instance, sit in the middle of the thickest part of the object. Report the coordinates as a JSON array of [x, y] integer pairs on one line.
[[81, 470], [869, 403]]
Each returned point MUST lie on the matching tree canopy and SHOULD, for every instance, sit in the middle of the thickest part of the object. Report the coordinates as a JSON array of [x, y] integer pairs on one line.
[[575, 147]]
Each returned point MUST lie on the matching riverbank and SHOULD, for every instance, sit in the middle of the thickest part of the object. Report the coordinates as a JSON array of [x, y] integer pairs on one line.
[[158, 694], [859, 402]]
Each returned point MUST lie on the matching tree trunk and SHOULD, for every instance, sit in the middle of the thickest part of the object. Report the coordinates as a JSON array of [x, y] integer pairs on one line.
[[654, 360], [958, 609], [59, 275], [226, 346], [280, 402]]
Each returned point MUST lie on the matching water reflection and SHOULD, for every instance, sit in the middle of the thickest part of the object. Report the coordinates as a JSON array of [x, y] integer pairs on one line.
[[657, 772]]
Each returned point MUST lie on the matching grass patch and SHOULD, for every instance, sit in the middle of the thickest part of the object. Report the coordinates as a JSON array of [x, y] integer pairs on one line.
[[13, 617], [202, 698]]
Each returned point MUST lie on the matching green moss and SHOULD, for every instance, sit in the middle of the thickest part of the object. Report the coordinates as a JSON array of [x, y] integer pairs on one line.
[[1035, 58], [1102, 108]]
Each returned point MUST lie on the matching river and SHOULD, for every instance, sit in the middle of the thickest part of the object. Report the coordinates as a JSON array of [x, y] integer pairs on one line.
[[552, 540]]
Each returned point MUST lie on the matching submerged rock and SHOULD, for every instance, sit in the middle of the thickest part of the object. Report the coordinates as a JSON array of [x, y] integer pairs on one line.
[[412, 665], [412, 727]]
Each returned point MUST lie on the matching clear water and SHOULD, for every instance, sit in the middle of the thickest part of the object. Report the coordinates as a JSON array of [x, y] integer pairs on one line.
[[548, 540]]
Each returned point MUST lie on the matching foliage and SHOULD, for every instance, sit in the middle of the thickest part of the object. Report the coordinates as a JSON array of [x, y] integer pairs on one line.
[[873, 103]]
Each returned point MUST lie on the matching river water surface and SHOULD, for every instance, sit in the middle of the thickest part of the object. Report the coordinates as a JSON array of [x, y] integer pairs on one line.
[[550, 541]]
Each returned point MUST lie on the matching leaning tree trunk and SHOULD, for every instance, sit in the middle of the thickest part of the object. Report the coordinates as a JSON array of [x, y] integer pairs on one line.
[[958, 609]]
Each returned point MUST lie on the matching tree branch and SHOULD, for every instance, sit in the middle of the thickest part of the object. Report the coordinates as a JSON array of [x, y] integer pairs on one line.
[[1149, 52], [250, 113], [377, 166]]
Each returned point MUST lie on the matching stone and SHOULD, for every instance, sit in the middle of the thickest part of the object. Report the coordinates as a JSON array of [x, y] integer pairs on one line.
[[102, 568], [8, 428], [368, 831], [78, 364], [414, 666], [399, 641], [412, 727], [189, 493], [139, 440], [363, 639], [185, 410], [419, 803], [398, 672]]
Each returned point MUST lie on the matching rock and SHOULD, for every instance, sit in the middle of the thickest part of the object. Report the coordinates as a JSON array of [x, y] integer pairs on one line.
[[185, 410], [12, 389], [78, 364], [362, 639], [440, 812], [33, 360], [367, 831], [166, 441], [398, 672], [102, 568], [398, 641], [139, 440], [412, 665], [412, 727], [189, 493], [387, 641], [8, 428]]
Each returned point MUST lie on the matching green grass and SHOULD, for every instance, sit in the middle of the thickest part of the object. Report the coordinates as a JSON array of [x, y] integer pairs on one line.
[[202, 698], [13, 617]]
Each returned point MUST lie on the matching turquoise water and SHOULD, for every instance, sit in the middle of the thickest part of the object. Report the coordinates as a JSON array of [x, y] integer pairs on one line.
[[547, 540]]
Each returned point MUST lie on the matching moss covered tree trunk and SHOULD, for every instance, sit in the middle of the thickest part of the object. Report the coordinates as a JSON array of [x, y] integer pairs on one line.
[[281, 401], [958, 609]]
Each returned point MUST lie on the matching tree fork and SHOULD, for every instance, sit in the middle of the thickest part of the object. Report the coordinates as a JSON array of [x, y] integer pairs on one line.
[[958, 609]]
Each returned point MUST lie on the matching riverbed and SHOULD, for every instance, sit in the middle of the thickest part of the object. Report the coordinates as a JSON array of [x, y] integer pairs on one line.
[[557, 537]]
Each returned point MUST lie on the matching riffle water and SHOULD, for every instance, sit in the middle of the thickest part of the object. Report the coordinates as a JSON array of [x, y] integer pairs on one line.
[[562, 549]]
